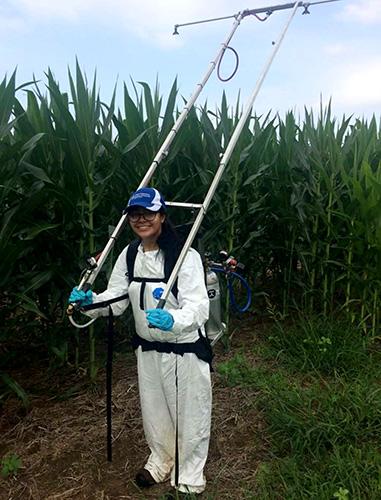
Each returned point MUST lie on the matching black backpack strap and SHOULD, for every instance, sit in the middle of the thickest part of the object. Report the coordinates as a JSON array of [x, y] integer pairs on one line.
[[132, 251], [168, 268], [201, 347], [170, 259], [206, 347], [104, 303], [143, 282]]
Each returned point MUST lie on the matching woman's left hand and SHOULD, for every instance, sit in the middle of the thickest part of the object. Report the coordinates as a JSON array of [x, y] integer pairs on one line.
[[159, 318]]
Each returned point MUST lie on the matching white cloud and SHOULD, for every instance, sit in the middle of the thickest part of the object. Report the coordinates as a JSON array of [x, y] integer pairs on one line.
[[43, 10], [149, 19], [11, 25], [359, 84], [10, 22], [335, 49], [364, 11]]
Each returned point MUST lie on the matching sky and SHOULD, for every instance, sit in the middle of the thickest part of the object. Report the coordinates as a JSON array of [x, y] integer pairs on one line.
[[334, 53]]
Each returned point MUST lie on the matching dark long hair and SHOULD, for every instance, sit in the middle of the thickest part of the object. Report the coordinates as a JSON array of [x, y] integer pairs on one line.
[[169, 240]]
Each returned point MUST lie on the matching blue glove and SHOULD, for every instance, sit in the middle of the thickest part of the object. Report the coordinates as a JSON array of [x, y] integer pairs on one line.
[[80, 297], [159, 318]]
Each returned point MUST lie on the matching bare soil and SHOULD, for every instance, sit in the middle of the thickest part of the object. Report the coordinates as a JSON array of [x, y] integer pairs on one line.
[[62, 442]]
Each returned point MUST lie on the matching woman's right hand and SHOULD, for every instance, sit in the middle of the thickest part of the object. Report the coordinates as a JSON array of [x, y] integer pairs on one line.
[[80, 297]]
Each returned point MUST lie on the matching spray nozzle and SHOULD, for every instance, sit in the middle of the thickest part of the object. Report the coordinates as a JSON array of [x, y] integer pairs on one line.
[[175, 32]]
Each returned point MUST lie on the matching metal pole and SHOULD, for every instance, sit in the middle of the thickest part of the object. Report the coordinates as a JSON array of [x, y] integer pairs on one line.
[[110, 342], [260, 10], [224, 162], [270, 10], [164, 148], [91, 274]]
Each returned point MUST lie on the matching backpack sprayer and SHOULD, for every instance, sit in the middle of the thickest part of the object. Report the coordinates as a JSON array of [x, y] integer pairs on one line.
[[226, 264], [95, 264]]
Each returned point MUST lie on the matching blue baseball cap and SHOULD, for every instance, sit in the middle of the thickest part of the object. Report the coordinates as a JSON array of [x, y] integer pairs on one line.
[[148, 198]]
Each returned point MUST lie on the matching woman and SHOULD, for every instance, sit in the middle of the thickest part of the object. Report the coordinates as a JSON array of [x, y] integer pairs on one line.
[[174, 382]]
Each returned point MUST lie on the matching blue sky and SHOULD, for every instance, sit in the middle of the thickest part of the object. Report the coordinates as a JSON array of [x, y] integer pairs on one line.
[[332, 53]]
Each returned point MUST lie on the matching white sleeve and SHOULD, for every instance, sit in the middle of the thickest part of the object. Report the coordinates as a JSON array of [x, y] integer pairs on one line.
[[193, 298], [117, 286]]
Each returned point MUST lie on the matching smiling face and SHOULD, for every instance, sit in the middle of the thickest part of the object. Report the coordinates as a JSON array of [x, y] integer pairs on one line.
[[146, 225]]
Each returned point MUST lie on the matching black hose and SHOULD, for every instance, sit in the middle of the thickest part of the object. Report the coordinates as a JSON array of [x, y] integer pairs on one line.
[[236, 65]]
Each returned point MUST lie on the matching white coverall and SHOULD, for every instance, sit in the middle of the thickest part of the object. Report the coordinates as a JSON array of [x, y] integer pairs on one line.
[[157, 371]]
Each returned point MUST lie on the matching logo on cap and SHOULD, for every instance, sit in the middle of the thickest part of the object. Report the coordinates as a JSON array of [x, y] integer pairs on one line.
[[148, 198]]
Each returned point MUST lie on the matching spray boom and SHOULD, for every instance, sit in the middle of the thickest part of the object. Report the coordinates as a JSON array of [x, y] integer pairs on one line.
[[95, 265], [254, 12]]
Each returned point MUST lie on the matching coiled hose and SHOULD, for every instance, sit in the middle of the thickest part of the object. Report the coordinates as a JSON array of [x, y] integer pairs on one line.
[[231, 275]]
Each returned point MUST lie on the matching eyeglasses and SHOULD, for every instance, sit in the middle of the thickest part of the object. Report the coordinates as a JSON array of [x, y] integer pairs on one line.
[[147, 216]]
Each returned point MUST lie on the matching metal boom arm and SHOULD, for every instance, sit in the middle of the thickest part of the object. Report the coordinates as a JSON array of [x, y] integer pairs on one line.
[[90, 274], [224, 161]]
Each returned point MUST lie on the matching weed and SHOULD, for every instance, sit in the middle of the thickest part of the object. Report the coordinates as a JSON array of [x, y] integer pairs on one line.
[[323, 423], [311, 420], [10, 465], [237, 371], [341, 494], [347, 472], [319, 344]]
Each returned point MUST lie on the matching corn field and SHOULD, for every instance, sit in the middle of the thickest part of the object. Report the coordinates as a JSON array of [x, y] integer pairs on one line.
[[299, 204]]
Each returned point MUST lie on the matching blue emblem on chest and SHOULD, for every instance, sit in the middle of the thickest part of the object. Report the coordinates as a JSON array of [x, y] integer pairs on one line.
[[157, 293]]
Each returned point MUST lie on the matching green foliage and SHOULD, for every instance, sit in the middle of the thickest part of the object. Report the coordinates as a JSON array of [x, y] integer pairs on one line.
[[10, 465], [299, 203], [309, 420], [345, 473], [317, 343], [9, 385], [237, 371], [341, 494], [322, 422]]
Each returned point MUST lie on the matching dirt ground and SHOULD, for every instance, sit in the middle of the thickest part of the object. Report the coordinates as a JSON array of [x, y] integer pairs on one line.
[[62, 443]]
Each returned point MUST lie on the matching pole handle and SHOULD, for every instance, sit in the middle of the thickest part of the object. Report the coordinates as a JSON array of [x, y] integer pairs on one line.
[[70, 310]]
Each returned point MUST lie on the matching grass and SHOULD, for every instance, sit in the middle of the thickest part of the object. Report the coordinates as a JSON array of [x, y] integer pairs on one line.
[[347, 472], [321, 401], [318, 343]]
